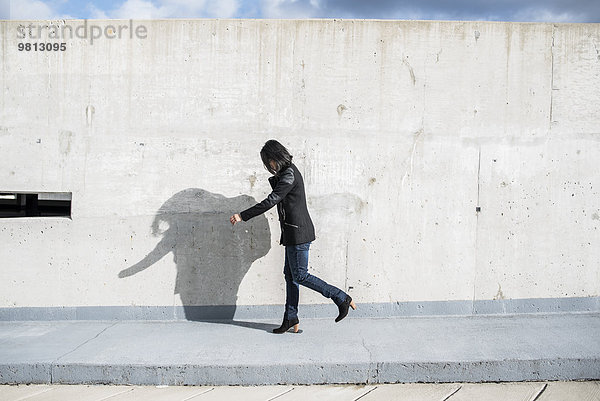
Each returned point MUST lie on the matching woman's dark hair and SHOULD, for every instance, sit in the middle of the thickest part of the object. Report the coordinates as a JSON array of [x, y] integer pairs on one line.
[[275, 151]]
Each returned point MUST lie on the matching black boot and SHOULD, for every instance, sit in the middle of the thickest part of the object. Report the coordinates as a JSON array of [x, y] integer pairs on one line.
[[286, 325], [343, 307]]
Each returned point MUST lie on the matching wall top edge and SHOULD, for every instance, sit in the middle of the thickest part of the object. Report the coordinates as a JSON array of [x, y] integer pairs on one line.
[[292, 20]]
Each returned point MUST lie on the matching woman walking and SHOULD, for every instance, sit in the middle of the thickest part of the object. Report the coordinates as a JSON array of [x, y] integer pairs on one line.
[[297, 233]]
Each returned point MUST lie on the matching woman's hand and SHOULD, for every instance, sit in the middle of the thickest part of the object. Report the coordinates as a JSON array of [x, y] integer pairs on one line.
[[235, 219]]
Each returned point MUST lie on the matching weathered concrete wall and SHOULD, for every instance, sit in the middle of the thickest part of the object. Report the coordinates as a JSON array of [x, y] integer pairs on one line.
[[401, 130]]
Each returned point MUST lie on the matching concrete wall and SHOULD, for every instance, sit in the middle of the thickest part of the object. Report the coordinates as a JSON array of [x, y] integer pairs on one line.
[[400, 128]]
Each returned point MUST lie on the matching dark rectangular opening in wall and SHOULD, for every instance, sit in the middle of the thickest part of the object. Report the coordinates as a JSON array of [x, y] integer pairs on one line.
[[35, 204]]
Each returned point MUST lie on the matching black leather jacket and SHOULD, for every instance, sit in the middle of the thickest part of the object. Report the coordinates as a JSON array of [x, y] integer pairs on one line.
[[288, 194]]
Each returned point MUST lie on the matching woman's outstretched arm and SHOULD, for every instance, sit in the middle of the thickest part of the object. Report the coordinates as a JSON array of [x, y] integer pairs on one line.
[[284, 185]]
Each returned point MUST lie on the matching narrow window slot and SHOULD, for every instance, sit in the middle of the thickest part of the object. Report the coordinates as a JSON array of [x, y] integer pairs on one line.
[[35, 204]]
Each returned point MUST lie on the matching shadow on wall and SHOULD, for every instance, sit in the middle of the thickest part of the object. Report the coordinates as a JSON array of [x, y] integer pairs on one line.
[[211, 255]]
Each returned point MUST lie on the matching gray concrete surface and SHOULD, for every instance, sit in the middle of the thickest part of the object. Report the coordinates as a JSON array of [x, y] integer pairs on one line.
[[322, 310], [357, 350], [532, 391], [444, 162]]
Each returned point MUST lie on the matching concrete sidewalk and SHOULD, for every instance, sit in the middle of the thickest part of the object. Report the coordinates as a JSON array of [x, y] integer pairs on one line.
[[356, 350], [526, 391]]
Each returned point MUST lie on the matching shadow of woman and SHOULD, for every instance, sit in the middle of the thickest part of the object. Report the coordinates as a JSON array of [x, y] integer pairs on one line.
[[211, 255]]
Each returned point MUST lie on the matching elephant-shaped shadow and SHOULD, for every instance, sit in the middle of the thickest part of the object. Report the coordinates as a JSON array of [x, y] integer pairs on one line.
[[211, 255]]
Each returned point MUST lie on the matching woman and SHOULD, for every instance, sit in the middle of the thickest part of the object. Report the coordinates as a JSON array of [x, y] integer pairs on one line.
[[297, 233]]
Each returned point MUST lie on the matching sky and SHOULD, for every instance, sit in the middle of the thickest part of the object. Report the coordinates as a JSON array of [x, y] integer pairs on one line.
[[479, 10]]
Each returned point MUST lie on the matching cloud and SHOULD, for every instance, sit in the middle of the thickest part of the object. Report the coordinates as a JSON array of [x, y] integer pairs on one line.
[[95, 12], [36, 9], [146, 9], [491, 10], [290, 9], [543, 15], [31, 9], [137, 9], [4, 9], [224, 8], [509, 10]]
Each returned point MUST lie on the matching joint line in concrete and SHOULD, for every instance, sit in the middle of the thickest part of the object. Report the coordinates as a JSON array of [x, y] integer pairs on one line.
[[476, 228], [540, 392], [196, 395], [279, 395], [346, 266], [127, 390], [373, 389], [552, 74], [452, 393], [33, 394]]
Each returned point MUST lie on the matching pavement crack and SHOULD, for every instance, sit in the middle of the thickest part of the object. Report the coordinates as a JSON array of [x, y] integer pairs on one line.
[[85, 342], [367, 349], [75, 349], [376, 377]]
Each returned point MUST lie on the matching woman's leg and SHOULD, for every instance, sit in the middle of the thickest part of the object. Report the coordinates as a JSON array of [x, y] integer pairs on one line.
[[297, 260], [292, 292]]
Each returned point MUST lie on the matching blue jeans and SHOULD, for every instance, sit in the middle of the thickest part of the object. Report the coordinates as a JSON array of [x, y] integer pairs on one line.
[[296, 273]]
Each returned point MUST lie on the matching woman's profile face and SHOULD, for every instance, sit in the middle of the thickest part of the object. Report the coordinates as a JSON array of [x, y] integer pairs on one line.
[[273, 165]]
